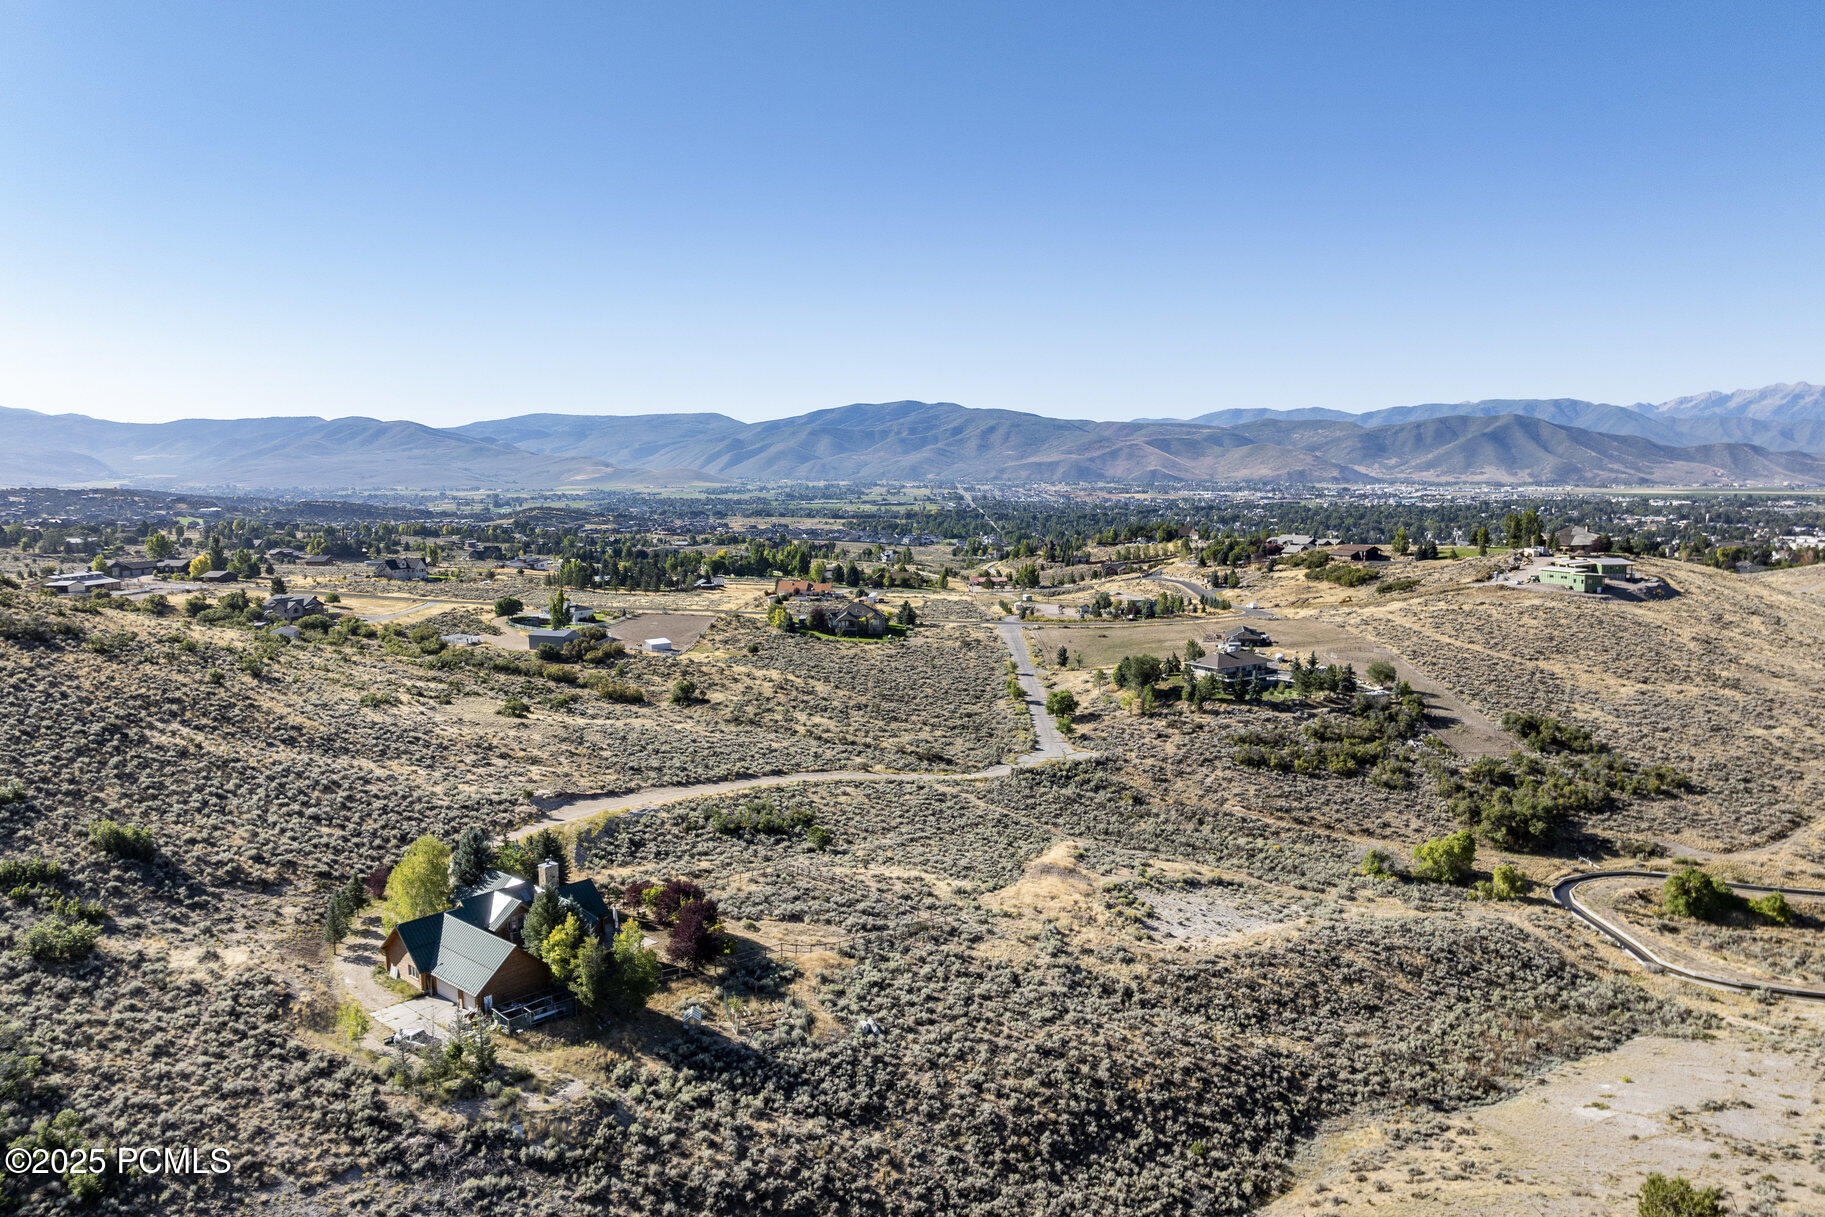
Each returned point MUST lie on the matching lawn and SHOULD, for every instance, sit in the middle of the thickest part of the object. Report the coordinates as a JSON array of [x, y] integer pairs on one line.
[[1102, 644]]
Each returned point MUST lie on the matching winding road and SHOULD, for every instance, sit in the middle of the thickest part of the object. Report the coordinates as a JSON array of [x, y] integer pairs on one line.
[[1050, 746], [1565, 894]]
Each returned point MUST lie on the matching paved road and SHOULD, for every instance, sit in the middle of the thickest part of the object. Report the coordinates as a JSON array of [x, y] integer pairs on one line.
[[1051, 747], [1565, 894], [1197, 590], [1050, 742]]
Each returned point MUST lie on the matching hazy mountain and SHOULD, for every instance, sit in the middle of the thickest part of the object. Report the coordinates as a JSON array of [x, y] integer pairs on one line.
[[281, 453], [1515, 449], [1798, 402], [625, 440], [905, 441], [919, 441], [1782, 417]]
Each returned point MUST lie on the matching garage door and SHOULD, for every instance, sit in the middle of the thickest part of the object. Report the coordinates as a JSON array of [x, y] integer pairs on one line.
[[445, 990]]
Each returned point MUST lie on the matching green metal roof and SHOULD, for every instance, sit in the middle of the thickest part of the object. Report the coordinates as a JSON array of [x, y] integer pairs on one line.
[[587, 896], [454, 951]]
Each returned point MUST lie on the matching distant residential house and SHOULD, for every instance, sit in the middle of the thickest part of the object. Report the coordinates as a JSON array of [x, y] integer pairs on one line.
[[410, 566], [173, 566], [1239, 665], [715, 583], [1291, 543], [802, 587], [82, 583], [285, 553], [1577, 539], [1245, 636], [291, 607], [471, 953], [1577, 576], [317, 560], [528, 564], [1359, 553], [1613, 566], [858, 617], [549, 637], [290, 633], [131, 568], [217, 576]]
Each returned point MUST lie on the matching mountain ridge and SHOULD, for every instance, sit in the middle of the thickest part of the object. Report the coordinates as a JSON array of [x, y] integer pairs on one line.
[[1497, 441]]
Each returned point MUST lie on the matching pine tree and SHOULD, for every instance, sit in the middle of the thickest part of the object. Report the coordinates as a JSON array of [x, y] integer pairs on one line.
[[541, 919], [471, 858], [335, 922]]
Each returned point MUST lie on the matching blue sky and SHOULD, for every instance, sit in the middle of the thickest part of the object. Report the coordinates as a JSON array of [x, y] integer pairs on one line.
[[455, 211]]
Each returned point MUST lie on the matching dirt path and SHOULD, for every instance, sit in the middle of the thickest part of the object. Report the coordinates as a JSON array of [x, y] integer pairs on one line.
[[1051, 746]]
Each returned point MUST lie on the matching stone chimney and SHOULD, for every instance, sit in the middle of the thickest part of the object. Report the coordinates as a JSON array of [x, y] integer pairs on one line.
[[548, 874]]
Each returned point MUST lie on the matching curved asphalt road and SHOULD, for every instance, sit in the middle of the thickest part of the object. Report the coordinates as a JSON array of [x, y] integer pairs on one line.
[[1565, 895], [1050, 746]]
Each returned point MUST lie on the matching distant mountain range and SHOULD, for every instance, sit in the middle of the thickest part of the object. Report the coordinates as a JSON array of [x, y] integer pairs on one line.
[[1786, 418], [1770, 436]]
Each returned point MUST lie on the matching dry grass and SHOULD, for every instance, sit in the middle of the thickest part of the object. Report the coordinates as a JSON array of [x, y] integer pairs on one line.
[[1725, 682]]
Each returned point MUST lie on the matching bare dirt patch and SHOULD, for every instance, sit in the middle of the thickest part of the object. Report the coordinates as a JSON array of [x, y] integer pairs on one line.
[[683, 629], [1731, 1111]]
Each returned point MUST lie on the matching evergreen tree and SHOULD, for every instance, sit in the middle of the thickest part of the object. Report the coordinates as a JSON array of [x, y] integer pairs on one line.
[[542, 918], [335, 922], [471, 858], [546, 844]]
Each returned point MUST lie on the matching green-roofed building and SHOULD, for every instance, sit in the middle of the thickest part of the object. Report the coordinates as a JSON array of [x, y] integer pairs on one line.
[[470, 953]]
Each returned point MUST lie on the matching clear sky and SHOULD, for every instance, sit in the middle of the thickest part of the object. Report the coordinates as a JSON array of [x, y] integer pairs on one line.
[[457, 211]]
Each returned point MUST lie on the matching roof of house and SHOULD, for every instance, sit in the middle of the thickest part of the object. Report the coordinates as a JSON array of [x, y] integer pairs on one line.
[[1244, 633], [588, 897], [1225, 661], [858, 608], [491, 904], [456, 951], [489, 910]]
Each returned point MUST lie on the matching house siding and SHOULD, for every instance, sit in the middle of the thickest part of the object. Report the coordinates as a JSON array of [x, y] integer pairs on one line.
[[519, 975], [396, 956]]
